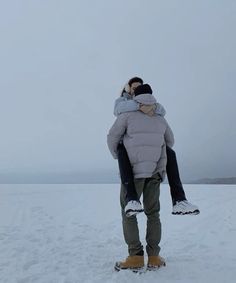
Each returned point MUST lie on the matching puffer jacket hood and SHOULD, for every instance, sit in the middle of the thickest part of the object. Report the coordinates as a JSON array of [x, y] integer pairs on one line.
[[146, 98]]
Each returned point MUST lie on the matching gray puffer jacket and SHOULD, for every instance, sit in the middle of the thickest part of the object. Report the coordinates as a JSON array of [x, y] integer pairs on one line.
[[145, 139], [125, 103]]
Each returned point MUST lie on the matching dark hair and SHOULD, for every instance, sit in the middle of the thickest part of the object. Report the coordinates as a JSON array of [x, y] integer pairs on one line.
[[141, 89], [131, 81], [135, 80]]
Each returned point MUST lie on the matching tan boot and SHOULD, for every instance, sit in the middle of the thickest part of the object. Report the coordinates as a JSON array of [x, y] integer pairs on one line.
[[135, 262], [155, 262]]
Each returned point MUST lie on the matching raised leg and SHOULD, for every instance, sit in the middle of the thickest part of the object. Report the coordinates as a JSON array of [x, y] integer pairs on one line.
[[126, 173], [176, 187]]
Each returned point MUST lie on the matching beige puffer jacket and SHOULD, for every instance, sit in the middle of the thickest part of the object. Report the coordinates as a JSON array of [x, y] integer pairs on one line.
[[145, 138]]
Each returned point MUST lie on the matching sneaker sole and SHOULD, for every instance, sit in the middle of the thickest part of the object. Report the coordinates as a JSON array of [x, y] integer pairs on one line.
[[195, 212], [131, 212]]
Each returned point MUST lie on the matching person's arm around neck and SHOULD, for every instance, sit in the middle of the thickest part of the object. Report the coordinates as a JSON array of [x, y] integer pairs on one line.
[[160, 110], [124, 104]]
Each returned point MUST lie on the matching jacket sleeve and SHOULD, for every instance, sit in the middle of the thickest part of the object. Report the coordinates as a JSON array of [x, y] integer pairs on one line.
[[169, 137], [160, 110], [123, 105], [116, 133]]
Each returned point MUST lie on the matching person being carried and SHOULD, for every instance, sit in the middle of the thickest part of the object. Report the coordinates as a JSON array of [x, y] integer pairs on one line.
[[181, 206], [145, 136]]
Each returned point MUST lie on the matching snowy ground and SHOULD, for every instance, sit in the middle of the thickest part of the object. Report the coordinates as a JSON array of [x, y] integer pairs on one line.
[[72, 233]]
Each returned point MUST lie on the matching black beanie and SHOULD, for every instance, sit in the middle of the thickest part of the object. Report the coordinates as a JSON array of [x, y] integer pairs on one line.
[[141, 89]]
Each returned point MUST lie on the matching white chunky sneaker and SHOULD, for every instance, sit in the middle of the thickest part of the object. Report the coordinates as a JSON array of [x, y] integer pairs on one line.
[[184, 207], [133, 207]]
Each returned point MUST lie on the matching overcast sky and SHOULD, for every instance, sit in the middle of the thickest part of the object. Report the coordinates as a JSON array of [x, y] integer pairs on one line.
[[63, 64]]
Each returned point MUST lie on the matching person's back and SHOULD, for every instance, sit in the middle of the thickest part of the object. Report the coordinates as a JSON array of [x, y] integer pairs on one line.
[[145, 140], [145, 137]]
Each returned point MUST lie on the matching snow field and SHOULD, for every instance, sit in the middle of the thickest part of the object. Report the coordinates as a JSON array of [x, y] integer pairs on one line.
[[73, 233]]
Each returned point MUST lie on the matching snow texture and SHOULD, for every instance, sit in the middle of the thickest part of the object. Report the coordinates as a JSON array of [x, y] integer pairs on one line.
[[72, 233]]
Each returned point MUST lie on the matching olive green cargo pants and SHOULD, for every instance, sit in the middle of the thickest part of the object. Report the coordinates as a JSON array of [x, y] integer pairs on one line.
[[150, 188]]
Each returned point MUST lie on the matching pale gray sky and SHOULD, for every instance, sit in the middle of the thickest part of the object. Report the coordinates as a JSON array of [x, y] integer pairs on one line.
[[63, 63]]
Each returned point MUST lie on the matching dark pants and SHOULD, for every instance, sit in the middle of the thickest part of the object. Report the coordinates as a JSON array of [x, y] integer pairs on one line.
[[127, 177], [172, 171], [126, 173], [150, 189]]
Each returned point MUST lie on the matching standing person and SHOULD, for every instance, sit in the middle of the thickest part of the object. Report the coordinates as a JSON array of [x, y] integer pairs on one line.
[[145, 136], [181, 206]]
